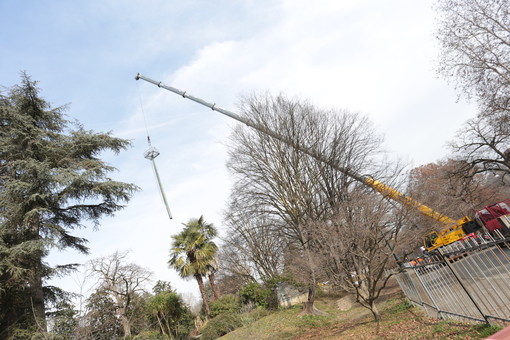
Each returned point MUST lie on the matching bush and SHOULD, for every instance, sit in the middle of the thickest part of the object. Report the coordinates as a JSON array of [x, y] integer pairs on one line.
[[256, 293], [221, 325], [264, 295], [227, 303], [248, 307]]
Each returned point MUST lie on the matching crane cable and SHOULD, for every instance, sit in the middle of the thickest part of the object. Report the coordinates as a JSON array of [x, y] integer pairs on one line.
[[151, 154]]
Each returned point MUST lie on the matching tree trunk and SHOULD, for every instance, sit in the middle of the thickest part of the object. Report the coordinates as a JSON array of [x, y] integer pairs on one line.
[[160, 324], [376, 314], [124, 321], [170, 336], [375, 311], [200, 282], [37, 299], [308, 306], [121, 311], [11, 315], [214, 288], [36, 285]]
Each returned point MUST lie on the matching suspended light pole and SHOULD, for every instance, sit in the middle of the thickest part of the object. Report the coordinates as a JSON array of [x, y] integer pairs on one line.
[[151, 154]]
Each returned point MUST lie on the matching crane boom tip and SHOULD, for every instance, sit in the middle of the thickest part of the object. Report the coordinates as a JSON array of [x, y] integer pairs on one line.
[[137, 76]]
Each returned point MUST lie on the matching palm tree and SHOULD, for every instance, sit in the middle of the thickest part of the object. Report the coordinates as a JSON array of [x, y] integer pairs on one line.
[[193, 253], [209, 232]]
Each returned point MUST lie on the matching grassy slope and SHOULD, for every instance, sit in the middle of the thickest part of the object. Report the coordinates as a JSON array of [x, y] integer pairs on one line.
[[400, 321]]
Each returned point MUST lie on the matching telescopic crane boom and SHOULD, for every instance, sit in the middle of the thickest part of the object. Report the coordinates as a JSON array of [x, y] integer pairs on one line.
[[453, 228]]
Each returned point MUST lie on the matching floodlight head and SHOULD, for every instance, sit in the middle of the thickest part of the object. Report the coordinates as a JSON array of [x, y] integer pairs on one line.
[[151, 153]]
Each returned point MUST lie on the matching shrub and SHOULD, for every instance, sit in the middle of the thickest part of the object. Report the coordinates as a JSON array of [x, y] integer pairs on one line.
[[264, 295], [248, 307], [254, 292], [221, 325], [227, 303]]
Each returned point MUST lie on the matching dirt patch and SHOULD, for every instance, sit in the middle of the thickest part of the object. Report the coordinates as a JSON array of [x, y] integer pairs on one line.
[[392, 289], [346, 303]]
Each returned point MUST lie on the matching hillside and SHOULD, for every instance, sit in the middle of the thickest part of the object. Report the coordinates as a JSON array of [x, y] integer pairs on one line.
[[400, 321]]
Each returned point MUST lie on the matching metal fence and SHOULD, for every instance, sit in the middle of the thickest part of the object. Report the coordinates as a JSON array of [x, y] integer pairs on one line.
[[466, 280]]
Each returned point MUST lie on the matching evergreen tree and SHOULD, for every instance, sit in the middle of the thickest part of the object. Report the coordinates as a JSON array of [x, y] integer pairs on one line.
[[101, 322], [64, 321], [51, 180]]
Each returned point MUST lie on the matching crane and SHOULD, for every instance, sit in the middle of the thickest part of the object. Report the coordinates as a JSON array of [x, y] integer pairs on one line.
[[452, 231]]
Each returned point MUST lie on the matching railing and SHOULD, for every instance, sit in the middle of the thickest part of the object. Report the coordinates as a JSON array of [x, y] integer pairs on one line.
[[466, 280]]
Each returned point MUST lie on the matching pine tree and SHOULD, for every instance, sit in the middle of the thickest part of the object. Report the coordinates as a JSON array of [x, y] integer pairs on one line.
[[51, 181]]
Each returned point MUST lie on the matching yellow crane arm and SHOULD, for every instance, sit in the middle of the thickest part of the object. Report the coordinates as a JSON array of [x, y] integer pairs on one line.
[[453, 231], [395, 195]]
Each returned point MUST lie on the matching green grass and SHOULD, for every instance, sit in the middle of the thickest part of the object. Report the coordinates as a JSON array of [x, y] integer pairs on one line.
[[486, 330]]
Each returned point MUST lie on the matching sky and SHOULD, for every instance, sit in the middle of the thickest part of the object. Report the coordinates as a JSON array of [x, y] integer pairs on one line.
[[374, 57]]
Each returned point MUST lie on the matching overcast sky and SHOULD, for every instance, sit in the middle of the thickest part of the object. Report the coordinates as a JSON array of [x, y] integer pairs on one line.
[[373, 57]]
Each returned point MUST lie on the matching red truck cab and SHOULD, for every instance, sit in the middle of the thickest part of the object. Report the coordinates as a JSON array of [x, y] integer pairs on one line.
[[495, 217]]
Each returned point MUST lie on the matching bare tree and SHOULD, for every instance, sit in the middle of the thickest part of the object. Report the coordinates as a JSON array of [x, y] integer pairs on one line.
[[484, 147], [356, 244], [440, 186], [474, 37], [122, 281], [278, 180], [253, 247]]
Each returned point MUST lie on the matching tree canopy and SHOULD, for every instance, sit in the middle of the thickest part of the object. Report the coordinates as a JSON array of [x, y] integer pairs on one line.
[[51, 181]]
